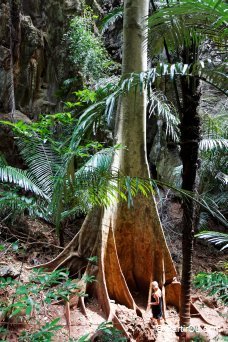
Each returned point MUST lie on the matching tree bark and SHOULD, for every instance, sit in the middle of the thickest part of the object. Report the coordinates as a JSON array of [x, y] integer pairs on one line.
[[129, 242], [190, 137]]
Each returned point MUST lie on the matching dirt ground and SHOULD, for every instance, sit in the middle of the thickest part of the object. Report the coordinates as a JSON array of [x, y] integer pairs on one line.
[[31, 253]]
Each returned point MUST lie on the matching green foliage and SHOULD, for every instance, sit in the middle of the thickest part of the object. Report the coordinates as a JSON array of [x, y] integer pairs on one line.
[[44, 334], [214, 133], [105, 332], [202, 69], [214, 283], [28, 298], [21, 178], [186, 22], [64, 178], [159, 106], [48, 126], [54, 285], [109, 333], [213, 170], [87, 50]]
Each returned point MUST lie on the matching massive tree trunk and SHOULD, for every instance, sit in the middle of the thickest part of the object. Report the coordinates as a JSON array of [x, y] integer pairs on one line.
[[129, 242]]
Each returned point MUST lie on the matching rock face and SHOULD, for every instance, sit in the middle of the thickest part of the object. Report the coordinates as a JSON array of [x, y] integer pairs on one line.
[[33, 55], [31, 32]]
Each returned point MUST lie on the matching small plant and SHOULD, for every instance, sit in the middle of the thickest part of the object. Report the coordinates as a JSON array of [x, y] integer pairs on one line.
[[105, 332], [20, 301], [45, 333], [214, 283], [109, 333]]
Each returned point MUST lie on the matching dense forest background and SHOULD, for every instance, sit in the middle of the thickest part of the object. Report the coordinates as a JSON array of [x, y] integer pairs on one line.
[[69, 169]]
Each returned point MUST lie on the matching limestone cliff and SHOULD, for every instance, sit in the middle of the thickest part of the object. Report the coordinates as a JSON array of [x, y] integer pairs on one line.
[[33, 56], [33, 32]]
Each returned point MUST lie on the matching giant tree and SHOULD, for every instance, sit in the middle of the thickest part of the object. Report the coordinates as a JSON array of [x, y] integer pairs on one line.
[[129, 242]]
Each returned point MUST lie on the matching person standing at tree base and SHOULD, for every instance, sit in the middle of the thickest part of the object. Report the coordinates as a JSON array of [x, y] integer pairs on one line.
[[156, 303]]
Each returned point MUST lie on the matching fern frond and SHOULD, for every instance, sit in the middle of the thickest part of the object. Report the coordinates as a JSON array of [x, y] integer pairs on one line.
[[215, 126]]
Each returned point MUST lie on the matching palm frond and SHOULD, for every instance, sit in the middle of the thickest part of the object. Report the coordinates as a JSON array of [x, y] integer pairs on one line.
[[201, 69], [100, 160], [183, 22], [94, 184], [93, 178], [42, 162], [159, 106], [71, 188], [204, 70], [111, 18], [216, 238], [210, 144], [21, 178], [204, 201], [86, 122]]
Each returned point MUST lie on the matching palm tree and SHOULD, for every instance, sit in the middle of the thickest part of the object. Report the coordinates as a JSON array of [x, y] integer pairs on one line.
[[62, 179], [180, 28]]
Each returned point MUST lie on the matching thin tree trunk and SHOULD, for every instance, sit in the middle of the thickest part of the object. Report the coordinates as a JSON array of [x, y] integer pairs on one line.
[[190, 137]]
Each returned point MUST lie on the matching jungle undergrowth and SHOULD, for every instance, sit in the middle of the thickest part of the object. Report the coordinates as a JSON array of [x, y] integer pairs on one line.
[[21, 301]]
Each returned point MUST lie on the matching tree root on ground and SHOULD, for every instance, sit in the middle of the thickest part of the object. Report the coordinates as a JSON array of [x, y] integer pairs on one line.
[[129, 256]]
